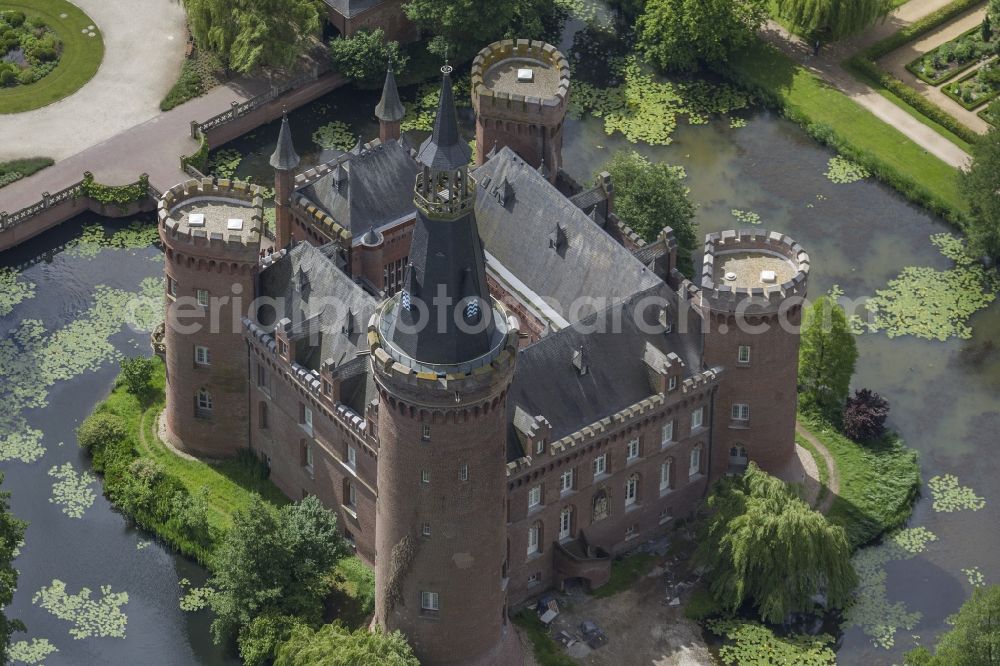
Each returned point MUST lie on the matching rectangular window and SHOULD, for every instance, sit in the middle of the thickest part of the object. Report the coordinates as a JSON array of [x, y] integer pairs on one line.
[[429, 601], [666, 516], [566, 481], [463, 473], [533, 535], [307, 454], [696, 418], [601, 464], [695, 466], [743, 356], [666, 471], [204, 402], [202, 355], [539, 447], [741, 412], [326, 387], [633, 449], [203, 298], [426, 529], [425, 432], [282, 347], [672, 383], [352, 495], [307, 419], [631, 490], [667, 433], [352, 456], [261, 375], [425, 476], [534, 497], [565, 524], [171, 286]]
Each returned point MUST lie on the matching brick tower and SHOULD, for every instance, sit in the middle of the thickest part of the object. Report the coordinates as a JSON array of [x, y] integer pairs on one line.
[[284, 160], [752, 287], [520, 91], [443, 354], [211, 232]]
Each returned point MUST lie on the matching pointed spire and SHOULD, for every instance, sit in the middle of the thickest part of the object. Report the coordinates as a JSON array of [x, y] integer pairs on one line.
[[284, 157], [390, 108], [445, 150]]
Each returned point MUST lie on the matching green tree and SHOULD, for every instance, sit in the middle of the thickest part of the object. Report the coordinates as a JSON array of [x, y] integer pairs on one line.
[[11, 538], [827, 355], [981, 186], [260, 641], [831, 20], [363, 57], [974, 639], [250, 34], [680, 34], [274, 561], [986, 29], [333, 645], [764, 545], [650, 196], [136, 374], [99, 430]]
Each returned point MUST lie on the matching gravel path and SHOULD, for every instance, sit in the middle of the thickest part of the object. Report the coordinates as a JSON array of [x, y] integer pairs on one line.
[[833, 478]]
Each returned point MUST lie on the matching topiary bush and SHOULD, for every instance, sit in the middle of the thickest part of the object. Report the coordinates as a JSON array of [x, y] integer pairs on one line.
[[864, 415]]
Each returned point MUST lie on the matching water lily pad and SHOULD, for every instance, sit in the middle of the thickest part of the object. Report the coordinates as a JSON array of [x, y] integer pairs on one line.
[[33, 653], [73, 490], [975, 577], [746, 216], [842, 171], [949, 496], [336, 134], [196, 598], [13, 290], [90, 617]]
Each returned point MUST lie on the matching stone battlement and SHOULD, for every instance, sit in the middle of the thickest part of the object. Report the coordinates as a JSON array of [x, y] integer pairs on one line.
[[738, 289], [216, 200], [545, 97], [330, 226]]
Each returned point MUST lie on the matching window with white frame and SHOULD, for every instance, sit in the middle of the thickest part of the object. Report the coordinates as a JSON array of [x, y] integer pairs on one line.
[[666, 474], [307, 419], [352, 456], [203, 297], [352, 495], [534, 497], [463, 473], [425, 476], [565, 523], [697, 417], [741, 411], [540, 447], [672, 383], [425, 529], [667, 433], [171, 286], [425, 432], [631, 490], [566, 481], [204, 401], [633, 449], [743, 355], [202, 356], [695, 462], [534, 538], [601, 464], [429, 601]]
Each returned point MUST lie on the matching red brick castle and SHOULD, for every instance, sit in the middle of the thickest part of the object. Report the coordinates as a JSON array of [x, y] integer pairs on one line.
[[489, 377]]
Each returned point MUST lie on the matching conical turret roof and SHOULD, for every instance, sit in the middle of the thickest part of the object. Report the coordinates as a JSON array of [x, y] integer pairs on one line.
[[445, 150], [389, 108], [284, 157]]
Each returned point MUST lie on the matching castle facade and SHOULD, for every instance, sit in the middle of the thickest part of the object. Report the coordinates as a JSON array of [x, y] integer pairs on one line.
[[494, 383]]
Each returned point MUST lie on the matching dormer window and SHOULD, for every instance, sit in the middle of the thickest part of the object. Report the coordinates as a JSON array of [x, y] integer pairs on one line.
[[472, 309], [580, 362]]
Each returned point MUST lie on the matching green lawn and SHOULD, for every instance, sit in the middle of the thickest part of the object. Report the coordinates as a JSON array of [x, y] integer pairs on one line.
[[878, 482], [81, 56], [830, 116], [230, 483]]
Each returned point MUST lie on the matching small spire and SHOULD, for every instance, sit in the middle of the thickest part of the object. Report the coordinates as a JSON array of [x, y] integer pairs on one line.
[[284, 157], [445, 150], [390, 109]]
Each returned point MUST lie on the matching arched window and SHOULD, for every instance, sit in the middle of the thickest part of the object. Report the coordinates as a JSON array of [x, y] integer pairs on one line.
[[667, 475], [631, 490], [535, 538], [738, 456], [695, 462], [601, 505], [566, 523]]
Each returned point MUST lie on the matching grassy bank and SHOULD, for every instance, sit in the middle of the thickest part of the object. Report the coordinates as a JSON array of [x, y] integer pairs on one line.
[[879, 482], [832, 118], [148, 482], [15, 170], [79, 61]]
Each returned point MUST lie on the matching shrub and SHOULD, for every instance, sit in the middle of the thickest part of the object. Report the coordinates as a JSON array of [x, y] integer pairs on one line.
[[26, 76], [100, 430], [136, 374], [7, 77], [864, 416], [14, 19], [260, 641]]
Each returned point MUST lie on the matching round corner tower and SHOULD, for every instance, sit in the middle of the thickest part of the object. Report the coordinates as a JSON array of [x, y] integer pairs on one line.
[[753, 285], [211, 234], [520, 93]]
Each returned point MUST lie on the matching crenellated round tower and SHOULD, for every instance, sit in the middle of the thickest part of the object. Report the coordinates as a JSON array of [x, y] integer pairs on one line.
[[211, 232], [753, 285], [520, 92]]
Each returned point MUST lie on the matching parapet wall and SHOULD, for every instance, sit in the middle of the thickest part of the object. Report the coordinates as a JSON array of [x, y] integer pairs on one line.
[[764, 300], [243, 246], [548, 110]]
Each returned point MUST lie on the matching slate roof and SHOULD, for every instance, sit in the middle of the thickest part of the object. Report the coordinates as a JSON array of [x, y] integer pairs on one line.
[[547, 383], [377, 190], [329, 312], [547, 242], [351, 8], [389, 107], [445, 149], [284, 157]]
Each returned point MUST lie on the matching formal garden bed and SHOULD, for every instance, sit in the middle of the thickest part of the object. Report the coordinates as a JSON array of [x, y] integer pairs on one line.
[[954, 57], [50, 50], [15, 170], [201, 72], [977, 88]]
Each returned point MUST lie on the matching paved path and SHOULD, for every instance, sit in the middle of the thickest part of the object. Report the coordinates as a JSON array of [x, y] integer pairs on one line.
[[144, 43], [827, 66], [833, 476], [895, 63]]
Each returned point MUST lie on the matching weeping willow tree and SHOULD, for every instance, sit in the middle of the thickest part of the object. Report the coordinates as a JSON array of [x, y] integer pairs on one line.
[[765, 546], [832, 19], [249, 34]]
